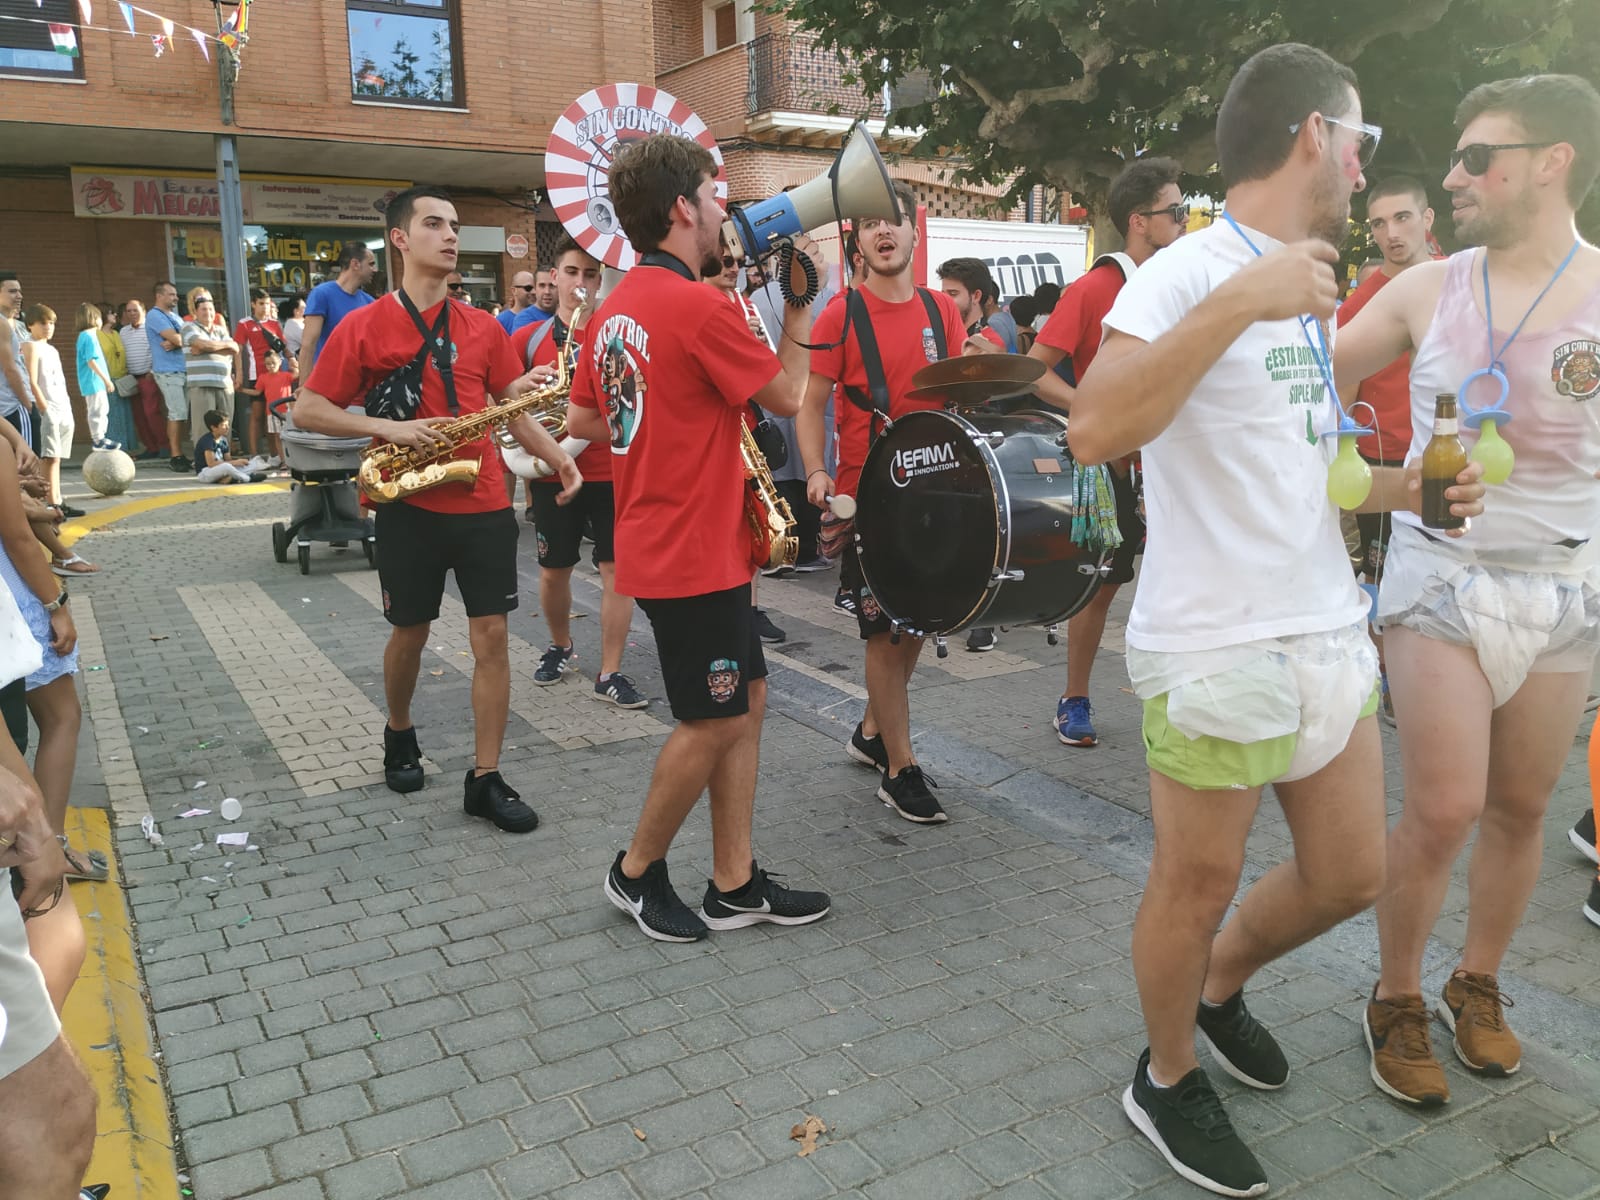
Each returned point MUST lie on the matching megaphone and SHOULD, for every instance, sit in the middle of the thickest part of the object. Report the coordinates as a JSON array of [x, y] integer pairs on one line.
[[856, 185]]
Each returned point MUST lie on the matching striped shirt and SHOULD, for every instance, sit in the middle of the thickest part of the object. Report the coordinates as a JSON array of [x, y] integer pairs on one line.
[[136, 345], [207, 370]]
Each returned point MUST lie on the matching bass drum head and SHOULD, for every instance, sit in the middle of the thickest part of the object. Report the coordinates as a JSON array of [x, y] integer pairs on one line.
[[927, 521]]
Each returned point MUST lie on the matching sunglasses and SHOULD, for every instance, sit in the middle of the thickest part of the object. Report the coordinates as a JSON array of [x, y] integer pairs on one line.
[[521, 287], [1178, 212], [458, 287], [729, 262], [1371, 135], [1477, 157], [202, 300]]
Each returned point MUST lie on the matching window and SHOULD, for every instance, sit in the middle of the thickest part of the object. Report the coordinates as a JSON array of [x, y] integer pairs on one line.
[[406, 51], [29, 47], [724, 32], [726, 23]]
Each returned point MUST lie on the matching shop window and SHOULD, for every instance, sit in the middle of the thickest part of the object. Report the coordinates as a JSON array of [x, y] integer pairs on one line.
[[287, 260], [30, 48], [405, 51]]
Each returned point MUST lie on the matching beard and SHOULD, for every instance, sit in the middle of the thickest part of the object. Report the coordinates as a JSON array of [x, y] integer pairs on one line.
[[1499, 228], [895, 264], [711, 267], [1330, 207]]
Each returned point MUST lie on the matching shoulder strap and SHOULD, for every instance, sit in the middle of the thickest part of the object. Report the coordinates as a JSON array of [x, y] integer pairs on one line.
[[1124, 263], [537, 339], [435, 345], [935, 321], [876, 399]]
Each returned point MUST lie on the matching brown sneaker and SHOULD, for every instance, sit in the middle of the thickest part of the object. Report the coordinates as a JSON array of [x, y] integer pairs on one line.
[[1471, 1006], [1403, 1064]]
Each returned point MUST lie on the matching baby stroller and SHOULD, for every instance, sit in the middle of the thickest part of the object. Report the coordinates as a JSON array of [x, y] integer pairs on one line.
[[325, 502]]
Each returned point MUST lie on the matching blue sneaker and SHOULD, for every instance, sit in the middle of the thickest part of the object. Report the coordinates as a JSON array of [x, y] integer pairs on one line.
[[1072, 722]]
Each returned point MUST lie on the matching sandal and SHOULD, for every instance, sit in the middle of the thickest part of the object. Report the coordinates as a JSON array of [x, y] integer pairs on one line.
[[75, 565], [88, 865]]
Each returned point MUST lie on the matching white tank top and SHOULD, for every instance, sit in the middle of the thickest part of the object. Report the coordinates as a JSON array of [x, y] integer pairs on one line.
[[1548, 513]]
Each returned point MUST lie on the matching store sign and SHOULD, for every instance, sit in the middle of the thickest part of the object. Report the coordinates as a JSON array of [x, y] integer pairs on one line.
[[517, 246], [194, 198]]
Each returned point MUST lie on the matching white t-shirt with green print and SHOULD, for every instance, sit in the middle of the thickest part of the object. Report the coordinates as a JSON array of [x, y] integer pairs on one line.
[[1244, 543]]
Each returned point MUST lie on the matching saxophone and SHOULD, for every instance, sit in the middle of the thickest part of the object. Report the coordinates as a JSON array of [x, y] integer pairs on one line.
[[552, 414], [768, 514], [390, 472]]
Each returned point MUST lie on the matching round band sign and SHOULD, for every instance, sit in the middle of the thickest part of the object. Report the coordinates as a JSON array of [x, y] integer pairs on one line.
[[578, 157]]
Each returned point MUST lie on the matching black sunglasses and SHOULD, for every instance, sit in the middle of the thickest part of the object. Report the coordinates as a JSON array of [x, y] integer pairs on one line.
[[729, 262], [458, 287], [1178, 212], [521, 287], [202, 300], [1477, 157]]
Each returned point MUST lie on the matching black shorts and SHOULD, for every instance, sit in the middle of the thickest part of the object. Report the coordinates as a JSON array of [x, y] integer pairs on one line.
[[1374, 529], [1131, 526], [560, 527], [709, 650], [870, 619], [417, 548]]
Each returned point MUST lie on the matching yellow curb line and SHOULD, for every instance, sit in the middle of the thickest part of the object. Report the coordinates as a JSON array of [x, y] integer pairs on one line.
[[82, 526], [108, 1025]]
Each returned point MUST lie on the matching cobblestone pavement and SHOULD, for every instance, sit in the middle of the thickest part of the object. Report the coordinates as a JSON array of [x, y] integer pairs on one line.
[[385, 998]]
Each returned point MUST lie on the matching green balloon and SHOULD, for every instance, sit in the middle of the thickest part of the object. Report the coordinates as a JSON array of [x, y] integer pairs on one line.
[[1494, 452], [1349, 478]]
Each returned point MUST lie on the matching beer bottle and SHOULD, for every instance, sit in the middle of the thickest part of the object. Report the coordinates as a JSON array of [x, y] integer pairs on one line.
[[1444, 459]]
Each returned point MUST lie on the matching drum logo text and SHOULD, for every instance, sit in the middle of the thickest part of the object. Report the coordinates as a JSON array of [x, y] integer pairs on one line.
[[921, 460]]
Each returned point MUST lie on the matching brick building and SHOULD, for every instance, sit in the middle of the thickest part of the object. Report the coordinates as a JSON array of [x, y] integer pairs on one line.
[[108, 159]]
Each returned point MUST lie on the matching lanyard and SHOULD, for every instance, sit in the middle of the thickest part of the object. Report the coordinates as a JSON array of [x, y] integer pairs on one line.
[[1318, 345], [1496, 370]]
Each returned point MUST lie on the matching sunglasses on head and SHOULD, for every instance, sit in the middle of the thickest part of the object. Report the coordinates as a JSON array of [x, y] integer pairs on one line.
[[1178, 212], [1477, 157], [202, 300]]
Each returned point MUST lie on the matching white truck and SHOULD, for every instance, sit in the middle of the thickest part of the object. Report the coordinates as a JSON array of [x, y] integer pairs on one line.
[[1020, 255]]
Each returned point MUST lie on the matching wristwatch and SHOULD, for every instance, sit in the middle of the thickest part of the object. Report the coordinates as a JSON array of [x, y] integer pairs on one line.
[[58, 601]]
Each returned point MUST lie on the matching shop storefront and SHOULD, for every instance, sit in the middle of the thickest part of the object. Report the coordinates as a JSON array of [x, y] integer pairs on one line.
[[294, 228]]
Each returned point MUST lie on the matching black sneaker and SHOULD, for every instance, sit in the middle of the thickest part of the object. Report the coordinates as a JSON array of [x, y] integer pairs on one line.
[[777, 572], [762, 899], [1581, 836], [766, 630], [652, 903], [553, 663], [1241, 1044], [1188, 1124], [907, 793], [868, 751], [492, 798], [402, 761], [981, 638], [1591, 910], [616, 688], [845, 601], [182, 464]]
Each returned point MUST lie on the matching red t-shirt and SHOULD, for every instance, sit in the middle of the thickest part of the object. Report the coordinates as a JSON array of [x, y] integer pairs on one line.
[[1074, 325], [379, 338], [595, 461], [906, 344], [252, 338], [275, 385], [675, 366], [1389, 391]]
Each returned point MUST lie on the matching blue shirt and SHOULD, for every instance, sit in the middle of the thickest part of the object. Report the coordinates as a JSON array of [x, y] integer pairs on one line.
[[531, 315], [162, 360], [333, 304], [89, 351], [217, 446]]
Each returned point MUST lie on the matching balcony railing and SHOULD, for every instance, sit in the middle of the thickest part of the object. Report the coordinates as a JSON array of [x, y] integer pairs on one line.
[[789, 72]]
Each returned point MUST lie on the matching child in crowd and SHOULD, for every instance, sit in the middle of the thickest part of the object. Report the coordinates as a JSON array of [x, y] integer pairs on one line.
[[212, 463], [56, 424], [275, 384], [94, 377]]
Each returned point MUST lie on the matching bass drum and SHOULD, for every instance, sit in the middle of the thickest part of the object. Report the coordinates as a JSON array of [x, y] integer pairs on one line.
[[967, 520]]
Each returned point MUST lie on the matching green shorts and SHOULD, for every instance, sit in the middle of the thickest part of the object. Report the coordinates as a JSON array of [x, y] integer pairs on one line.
[[1210, 763]]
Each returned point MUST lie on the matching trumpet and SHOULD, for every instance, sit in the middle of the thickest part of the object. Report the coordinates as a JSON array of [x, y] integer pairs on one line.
[[552, 414], [389, 472]]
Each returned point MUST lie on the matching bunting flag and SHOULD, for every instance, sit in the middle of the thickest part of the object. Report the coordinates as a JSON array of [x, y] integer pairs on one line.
[[159, 41], [127, 15], [64, 40], [166, 26], [200, 40], [87, 10]]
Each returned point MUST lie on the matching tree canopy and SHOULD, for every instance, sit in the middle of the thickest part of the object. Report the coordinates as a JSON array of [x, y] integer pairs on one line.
[[1064, 92]]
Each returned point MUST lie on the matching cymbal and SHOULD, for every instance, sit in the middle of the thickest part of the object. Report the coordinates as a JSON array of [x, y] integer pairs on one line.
[[973, 379]]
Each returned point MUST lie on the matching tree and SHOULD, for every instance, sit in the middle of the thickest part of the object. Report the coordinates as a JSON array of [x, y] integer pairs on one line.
[[1065, 92]]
